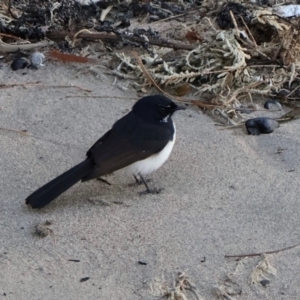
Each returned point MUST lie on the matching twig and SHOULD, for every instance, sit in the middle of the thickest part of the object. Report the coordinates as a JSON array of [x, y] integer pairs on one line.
[[263, 66], [5, 48], [146, 17], [180, 99], [249, 32], [64, 86], [291, 115], [105, 12], [210, 24], [3, 85], [258, 51], [37, 84], [77, 33], [234, 21], [147, 75], [117, 38], [67, 58], [260, 253], [231, 127], [256, 48], [151, 80], [294, 90], [242, 89], [205, 105], [95, 96], [10, 36], [23, 132]]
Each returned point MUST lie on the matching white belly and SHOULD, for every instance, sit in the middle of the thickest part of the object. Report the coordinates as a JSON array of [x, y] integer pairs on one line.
[[153, 162]]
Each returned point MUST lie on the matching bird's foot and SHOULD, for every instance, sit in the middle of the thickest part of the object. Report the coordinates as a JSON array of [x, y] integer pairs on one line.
[[141, 180], [151, 191]]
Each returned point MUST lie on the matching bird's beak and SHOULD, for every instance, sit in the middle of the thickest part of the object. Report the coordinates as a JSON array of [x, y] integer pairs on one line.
[[179, 107]]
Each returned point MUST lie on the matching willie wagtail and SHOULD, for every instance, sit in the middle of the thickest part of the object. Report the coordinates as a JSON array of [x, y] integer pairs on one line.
[[141, 142]]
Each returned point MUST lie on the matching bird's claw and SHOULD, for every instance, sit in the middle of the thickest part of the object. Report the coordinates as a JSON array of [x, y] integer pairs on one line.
[[151, 191]]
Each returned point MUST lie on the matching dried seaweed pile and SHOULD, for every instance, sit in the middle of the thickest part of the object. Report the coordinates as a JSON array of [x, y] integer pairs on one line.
[[229, 53], [251, 57], [35, 19], [68, 22]]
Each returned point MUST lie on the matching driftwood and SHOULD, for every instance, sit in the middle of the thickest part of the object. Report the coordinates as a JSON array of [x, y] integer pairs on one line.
[[118, 38], [7, 48]]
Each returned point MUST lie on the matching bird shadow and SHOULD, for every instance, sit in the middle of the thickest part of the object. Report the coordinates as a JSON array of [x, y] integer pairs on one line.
[[94, 193]]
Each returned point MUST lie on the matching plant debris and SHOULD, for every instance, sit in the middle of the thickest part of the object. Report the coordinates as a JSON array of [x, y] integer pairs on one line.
[[262, 271], [216, 55], [74, 260], [42, 230], [65, 57], [228, 289], [182, 288], [84, 279], [224, 19], [265, 252]]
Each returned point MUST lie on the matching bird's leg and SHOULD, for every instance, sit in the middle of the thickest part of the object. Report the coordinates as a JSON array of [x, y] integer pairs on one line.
[[138, 181], [148, 190]]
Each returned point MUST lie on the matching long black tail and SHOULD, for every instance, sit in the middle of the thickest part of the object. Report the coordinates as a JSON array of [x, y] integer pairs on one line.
[[60, 184]]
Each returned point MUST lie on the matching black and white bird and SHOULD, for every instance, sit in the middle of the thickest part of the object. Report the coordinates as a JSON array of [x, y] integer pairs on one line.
[[139, 142]]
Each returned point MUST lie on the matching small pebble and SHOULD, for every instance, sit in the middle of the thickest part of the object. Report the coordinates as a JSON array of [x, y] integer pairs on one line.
[[265, 282], [84, 279], [19, 63], [257, 126], [283, 92], [272, 104], [37, 59]]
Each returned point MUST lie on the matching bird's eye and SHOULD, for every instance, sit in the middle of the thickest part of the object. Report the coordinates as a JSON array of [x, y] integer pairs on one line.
[[164, 107]]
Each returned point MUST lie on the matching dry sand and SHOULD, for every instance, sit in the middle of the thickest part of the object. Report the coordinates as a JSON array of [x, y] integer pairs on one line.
[[224, 193]]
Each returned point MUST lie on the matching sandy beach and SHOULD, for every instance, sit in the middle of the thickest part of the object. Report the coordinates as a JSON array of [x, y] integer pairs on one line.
[[224, 193]]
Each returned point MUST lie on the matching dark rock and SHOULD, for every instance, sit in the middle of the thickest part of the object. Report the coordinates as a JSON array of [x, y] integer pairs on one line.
[[260, 125], [265, 282], [19, 63], [272, 104]]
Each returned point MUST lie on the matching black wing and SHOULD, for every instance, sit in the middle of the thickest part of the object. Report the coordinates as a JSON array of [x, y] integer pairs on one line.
[[131, 139]]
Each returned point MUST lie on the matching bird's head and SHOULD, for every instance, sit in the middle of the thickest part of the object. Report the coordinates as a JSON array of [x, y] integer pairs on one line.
[[157, 107]]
